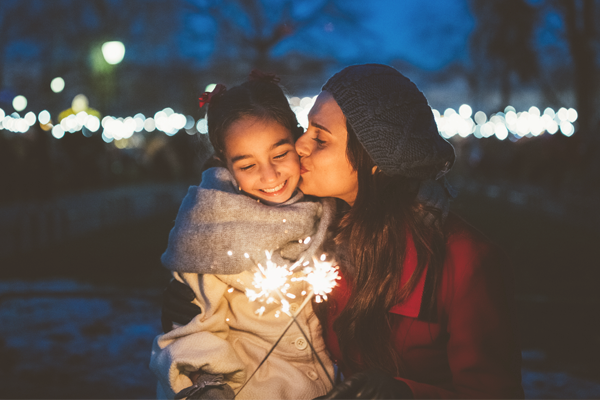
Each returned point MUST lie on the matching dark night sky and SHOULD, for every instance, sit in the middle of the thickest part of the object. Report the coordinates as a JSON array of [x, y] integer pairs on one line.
[[429, 34]]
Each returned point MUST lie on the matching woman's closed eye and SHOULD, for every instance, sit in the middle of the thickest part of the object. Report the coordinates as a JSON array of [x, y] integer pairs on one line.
[[320, 142]]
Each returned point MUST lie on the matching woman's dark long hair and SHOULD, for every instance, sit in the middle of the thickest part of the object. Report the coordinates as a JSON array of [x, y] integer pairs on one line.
[[374, 234]]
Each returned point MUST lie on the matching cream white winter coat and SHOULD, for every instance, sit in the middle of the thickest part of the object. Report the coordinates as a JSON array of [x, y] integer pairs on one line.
[[229, 336]]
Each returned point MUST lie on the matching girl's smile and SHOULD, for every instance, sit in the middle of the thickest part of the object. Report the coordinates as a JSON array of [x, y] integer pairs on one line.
[[276, 190]]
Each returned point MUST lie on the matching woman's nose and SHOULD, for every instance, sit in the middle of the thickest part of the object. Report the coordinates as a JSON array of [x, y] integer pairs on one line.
[[302, 147]]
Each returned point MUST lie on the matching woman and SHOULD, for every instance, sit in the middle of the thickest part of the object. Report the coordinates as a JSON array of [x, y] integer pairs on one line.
[[424, 306]]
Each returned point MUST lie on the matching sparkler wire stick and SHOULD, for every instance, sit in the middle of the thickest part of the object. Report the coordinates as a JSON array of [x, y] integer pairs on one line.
[[287, 327], [311, 294]]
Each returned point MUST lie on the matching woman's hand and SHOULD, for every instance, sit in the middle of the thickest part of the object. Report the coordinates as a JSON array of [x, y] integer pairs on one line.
[[177, 306], [370, 385]]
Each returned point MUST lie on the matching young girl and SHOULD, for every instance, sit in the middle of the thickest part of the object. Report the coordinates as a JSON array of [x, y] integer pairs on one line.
[[249, 205]]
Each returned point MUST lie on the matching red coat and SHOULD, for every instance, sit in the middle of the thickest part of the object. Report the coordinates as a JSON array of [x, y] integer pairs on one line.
[[473, 352]]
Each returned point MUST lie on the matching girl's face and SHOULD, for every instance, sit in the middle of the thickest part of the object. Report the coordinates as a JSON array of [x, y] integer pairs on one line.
[[326, 170], [261, 156]]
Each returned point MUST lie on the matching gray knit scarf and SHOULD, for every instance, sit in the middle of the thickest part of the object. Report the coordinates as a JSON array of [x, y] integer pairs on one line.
[[216, 225]]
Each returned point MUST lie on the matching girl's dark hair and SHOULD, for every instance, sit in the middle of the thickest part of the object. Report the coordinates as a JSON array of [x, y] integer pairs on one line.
[[374, 233], [259, 97]]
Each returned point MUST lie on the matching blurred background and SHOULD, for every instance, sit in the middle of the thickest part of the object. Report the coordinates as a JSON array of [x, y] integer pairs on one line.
[[101, 134]]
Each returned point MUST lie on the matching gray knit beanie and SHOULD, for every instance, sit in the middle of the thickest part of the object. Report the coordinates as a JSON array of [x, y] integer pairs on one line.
[[392, 120]]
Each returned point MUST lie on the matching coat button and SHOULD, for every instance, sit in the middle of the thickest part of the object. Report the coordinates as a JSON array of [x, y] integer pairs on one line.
[[312, 375], [300, 343], [294, 307]]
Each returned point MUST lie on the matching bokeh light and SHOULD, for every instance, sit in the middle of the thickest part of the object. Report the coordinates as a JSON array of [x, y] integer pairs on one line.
[[464, 122], [58, 132], [504, 124], [465, 111], [149, 125], [80, 103], [113, 52], [202, 126], [57, 84], [44, 117], [30, 118], [19, 103]]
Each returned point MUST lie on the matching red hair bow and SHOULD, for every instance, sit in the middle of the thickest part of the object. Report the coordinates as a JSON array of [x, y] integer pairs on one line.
[[207, 96]]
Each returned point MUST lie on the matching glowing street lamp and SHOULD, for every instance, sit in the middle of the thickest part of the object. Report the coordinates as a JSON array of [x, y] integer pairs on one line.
[[113, 52]]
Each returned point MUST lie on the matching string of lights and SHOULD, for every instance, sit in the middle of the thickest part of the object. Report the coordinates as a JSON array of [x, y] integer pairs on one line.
[[510, 123]]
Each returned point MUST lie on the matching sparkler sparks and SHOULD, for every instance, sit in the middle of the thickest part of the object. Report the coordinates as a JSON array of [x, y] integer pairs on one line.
[[268, 280], [321, 277], [273, 281]]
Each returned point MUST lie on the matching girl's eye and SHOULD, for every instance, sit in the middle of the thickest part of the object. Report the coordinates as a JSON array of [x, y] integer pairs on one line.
[[247, 167], [281, 155]]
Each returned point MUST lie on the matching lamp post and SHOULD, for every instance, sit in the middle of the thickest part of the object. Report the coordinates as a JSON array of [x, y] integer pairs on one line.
[[105, 57]]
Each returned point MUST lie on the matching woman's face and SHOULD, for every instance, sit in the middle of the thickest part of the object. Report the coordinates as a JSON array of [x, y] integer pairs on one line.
[[261, 156], [326, 170]]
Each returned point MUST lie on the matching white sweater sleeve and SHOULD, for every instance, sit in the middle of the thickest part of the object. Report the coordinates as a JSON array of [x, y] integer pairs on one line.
[[201, 344]]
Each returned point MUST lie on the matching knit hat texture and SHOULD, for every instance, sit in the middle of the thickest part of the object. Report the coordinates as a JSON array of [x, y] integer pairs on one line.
[[392, 120]]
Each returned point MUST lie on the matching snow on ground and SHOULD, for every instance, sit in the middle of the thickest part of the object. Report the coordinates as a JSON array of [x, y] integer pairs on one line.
[[64, 339]]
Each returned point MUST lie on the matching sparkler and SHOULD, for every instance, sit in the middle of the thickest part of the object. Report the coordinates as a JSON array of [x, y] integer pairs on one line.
[[270, 281], [273, 280], [321, 277]]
